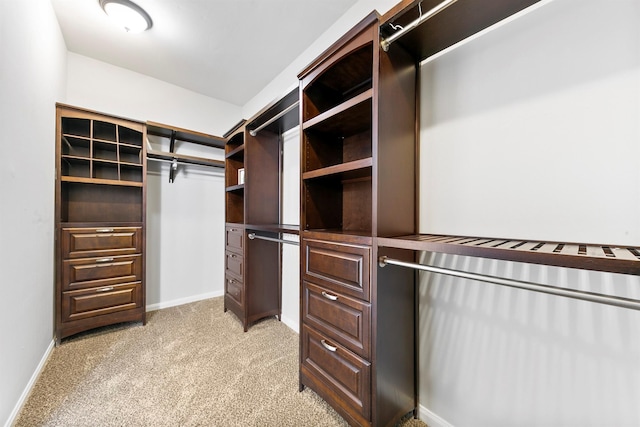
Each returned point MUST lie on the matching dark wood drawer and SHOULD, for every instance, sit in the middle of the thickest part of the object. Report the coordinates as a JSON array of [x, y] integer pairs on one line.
[[83, 303], [100, 241], [234, 265], [341, 267], [235, 239], [234, 289], [344, 372], [105, 271], [343, 319]]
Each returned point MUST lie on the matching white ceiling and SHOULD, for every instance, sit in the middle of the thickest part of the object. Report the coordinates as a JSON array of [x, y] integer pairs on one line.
[[226, 49]]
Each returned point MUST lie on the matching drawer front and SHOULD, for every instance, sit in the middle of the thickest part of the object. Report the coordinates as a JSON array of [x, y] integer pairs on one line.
[[95, 242], [234, 265], [80, 304], [344, 372], [234, 289], [340, 267], [343, 319], [93, 272], [234, 239]]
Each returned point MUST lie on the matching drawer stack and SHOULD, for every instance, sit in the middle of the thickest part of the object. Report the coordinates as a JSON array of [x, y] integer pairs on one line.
[[100, 277], [336, 349], [234, 294]]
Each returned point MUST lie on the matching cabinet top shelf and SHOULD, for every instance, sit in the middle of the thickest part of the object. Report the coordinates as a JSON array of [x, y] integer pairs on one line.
[[607, 258], [166, 131]]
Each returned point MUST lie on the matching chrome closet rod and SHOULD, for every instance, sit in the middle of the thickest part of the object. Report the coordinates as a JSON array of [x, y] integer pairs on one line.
[[536, 287], [271, 239], [385, 43], [183, 162], [255, 131]]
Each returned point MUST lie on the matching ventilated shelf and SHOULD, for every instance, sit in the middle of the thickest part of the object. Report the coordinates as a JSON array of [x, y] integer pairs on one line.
[[608, 258]]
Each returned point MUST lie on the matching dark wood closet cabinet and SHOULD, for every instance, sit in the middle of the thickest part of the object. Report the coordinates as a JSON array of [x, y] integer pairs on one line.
[[99, 220], [253, 163], [357, 183]]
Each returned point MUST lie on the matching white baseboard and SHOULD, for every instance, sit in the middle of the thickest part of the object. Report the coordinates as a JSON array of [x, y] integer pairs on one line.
[[181, 301], [431, 418], [293, 324], [27, 390]]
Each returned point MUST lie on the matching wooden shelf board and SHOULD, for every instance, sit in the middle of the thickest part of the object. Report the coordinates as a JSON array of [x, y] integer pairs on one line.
[[607, 258], [100, 181], [235, 151], [202, 161], [352, 103], [354, 169], [165, 131], [275, 228], [239, 187]]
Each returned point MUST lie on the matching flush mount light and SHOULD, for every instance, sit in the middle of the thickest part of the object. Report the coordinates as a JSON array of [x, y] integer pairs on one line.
[[127, 14]]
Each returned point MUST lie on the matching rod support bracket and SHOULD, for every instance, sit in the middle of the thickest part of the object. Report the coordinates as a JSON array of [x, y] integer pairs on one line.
[[382, 261]]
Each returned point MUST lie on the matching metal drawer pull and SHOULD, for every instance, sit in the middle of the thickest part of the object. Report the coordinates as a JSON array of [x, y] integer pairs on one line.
[[107, 289], [329, 296], [104, 260], [327, 346], [104, 230], [234, 256], [231, 281]]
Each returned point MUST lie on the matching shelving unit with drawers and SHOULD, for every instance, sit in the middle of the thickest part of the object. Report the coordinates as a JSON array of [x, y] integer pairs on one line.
[[100, 220]]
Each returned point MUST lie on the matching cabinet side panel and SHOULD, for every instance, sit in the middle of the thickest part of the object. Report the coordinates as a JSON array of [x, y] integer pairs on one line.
[[396, 143], [394, 382]]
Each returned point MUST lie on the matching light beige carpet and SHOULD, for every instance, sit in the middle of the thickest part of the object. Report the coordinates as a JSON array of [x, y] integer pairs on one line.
[[190, 365]]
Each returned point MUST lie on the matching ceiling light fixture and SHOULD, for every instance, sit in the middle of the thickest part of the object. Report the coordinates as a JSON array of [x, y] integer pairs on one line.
[[127, 14]]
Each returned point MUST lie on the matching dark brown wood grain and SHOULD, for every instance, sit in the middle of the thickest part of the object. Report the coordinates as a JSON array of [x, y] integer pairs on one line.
[[100, 220]]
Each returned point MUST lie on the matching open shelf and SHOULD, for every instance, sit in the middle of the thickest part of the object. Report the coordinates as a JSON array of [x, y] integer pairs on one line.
[[608, 258], [345, 119], [236, 188], [347, 78], [350, 170], [236, 152]]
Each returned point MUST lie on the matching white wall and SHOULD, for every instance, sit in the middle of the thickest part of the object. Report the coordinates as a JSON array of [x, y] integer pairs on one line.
[[185, 219], [291, 215], [104, 87], [288, 78], [532, 132], [32, 80]]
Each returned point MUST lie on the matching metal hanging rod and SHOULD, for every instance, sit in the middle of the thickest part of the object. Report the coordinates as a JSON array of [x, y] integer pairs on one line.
[[536, 287], [271, 239], [255, 131], [386, 42]]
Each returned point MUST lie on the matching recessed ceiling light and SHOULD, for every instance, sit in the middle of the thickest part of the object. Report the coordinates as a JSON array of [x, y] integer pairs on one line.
[[127, 14]]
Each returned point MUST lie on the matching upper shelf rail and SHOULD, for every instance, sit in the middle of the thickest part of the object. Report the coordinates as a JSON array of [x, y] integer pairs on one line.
[[608, 258]]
